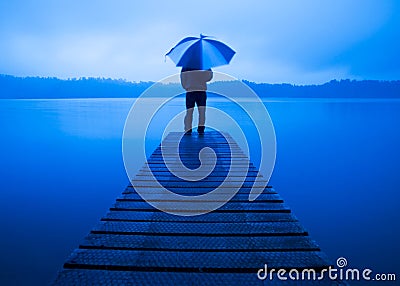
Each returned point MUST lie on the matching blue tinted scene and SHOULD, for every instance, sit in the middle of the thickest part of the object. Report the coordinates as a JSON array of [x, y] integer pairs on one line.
[[328, 75]]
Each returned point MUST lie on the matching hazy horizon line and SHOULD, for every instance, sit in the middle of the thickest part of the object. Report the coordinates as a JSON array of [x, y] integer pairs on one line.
[[151, 81]]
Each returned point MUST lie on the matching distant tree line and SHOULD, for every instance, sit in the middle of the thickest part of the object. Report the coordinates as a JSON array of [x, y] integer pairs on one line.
[[333, 89], [39, 87]]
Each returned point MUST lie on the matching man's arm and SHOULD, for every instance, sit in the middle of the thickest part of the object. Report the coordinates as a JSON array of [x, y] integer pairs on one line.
[[184, 82], [209, 74]]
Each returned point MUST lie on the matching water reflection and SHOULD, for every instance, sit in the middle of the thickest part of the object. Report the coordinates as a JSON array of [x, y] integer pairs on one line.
[[337, 167]]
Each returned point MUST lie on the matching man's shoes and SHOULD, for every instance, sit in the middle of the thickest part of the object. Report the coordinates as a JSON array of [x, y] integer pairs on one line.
[[200, 130], [189, 132]]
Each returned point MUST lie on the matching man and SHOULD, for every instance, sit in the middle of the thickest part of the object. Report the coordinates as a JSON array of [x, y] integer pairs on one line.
[[195, 84]]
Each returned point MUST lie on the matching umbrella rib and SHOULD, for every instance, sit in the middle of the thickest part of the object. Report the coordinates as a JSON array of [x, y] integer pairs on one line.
[[219, 54], [183, 60], [177, 52], [227, 57], [181, 42]]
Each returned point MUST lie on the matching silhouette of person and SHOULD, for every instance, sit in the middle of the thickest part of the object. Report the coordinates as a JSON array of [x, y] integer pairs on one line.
[[195, 84]]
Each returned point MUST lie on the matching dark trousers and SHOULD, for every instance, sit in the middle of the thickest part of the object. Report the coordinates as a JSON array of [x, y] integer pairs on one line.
[[193, 98]]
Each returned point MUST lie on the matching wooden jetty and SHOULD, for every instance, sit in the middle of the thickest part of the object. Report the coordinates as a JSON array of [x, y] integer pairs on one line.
[[137, 244]]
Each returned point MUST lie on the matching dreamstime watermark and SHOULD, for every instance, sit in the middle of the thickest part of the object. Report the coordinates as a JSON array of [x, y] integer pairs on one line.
[[152, 113], [331, 273]]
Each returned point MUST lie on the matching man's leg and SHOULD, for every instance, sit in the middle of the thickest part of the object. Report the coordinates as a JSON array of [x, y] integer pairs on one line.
[[188, 120], [190, 102], [201, 106], [202, 119]]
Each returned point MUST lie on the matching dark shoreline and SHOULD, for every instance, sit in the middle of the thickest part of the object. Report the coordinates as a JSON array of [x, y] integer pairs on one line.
[[12, 87]]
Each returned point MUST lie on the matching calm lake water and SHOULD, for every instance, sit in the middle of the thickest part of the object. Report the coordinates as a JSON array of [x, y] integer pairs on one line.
[[61, 169]]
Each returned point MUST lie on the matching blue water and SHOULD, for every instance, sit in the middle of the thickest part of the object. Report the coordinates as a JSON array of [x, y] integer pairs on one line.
[[61, 169]]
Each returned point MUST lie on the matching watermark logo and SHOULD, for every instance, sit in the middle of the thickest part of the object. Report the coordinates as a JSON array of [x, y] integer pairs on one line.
[[331, 273], [341, 262], [235, 109]]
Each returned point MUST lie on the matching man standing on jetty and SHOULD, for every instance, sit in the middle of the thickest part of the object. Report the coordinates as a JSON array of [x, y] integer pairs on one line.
[[196, 56], [195, 84]]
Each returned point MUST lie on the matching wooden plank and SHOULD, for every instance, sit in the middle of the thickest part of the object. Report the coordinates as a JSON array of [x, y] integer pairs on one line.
[[186, 155], [238, 262], [70, 277], [196, 184], [200, 229], [225, 217], [220, 162], [199, 243], [222, 173], [169, 177], [216, 180], [243, 198], [215, 169], [194, 191], [229, 207]]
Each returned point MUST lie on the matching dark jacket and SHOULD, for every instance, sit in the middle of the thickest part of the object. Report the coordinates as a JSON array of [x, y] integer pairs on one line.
[[195, 80]]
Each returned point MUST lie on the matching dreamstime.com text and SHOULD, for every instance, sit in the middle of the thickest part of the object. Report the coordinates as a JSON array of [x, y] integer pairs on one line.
[[340, 273]]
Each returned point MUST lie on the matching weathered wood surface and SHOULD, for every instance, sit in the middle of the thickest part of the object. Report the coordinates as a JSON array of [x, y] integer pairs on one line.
[[136, 244]]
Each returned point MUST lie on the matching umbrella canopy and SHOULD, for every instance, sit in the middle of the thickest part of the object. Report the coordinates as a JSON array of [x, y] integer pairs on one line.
[[200, 53]]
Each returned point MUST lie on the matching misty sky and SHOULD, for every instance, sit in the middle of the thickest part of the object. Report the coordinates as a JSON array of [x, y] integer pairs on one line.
[[276, 41]]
